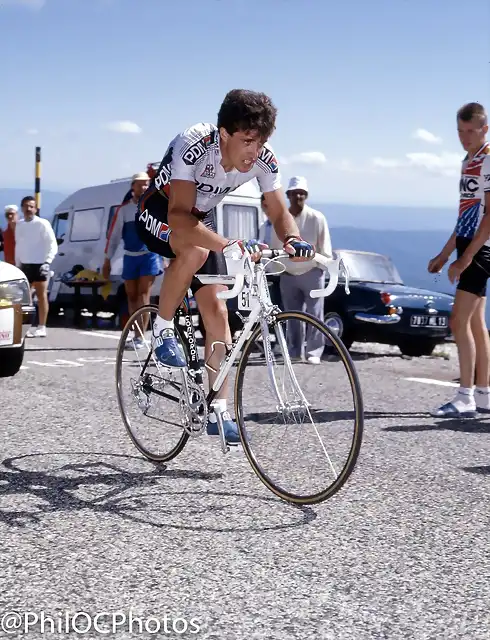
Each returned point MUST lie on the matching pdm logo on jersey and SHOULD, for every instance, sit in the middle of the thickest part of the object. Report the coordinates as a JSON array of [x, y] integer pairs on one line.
[[197, 150], [268, 158], [164, 173]]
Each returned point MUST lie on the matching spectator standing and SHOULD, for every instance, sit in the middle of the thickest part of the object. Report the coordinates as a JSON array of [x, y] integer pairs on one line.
[[471, 269], [300, 278], [35, 249], [11, 213], [140, 266]]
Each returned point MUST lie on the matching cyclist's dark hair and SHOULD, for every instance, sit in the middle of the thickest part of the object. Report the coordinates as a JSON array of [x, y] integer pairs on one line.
[[244, 110], [472, 109], [27, 199]]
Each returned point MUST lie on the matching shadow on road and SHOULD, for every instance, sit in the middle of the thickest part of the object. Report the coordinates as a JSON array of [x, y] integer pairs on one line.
[[483, 470], [468, 426], [144, 497]]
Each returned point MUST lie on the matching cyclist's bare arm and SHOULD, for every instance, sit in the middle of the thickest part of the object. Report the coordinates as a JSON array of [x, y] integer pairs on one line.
[[184, 224], [449, 247], [279, 215]]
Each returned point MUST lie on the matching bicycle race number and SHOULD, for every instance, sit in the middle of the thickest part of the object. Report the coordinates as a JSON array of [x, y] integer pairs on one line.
[[244, 300]]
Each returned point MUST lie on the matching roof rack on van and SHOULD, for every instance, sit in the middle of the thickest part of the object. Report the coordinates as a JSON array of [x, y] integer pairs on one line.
[[121, 179]]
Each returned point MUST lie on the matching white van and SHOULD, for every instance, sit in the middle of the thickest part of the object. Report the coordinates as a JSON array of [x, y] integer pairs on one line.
[[81, 224]]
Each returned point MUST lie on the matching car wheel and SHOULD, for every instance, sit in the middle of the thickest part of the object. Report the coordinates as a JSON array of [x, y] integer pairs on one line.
[[334, 323], [11, 361], [418, 348]]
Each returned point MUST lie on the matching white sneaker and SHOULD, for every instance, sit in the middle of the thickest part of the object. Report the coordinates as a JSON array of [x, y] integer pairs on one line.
[[314, 360], [36, 332]]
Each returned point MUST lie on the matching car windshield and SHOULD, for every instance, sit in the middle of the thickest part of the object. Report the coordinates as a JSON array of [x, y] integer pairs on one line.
[[371, 267]]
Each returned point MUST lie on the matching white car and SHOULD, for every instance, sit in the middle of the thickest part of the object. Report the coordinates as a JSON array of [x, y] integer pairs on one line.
[[16, 314]]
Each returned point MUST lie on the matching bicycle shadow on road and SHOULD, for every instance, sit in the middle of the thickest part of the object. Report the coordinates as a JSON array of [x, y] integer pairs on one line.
[[141, 497], [271, 417]]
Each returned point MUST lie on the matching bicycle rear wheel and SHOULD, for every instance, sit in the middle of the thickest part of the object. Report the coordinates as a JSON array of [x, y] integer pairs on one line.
[[300, 424], [149, 394]]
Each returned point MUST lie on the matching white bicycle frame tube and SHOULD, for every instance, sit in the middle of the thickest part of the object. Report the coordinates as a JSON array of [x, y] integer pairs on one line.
[[240, 272]]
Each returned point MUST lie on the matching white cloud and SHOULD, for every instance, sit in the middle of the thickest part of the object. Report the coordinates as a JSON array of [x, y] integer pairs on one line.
[[387, 163], [426, 136], [443, 164], [32, 132], [306, 158], [31, 4], [124, 126]]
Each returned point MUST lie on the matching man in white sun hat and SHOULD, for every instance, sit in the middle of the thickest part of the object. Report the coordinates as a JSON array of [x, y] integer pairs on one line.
[[299, 278]]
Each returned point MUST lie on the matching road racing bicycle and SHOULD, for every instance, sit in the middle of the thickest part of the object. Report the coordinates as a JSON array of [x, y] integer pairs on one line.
[[291, 415]]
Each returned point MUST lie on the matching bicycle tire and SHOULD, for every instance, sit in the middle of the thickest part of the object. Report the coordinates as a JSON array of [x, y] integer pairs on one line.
[[166, 457], [352, 458]]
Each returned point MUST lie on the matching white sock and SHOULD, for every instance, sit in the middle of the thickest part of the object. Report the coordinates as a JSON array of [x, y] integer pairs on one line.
[[160, 324], [482, 389], [220, 408], [466, 395]]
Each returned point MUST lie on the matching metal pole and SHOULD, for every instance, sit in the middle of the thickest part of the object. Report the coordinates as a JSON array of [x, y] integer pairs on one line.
[[37, 186]]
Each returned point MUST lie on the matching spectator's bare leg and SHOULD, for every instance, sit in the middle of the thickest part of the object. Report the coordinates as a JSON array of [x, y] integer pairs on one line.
[[41, 289], [482, 344], [465, 305], [145, 284], [131, 287]]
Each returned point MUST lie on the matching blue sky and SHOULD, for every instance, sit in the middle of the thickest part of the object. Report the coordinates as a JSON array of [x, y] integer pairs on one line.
[[366, 91]]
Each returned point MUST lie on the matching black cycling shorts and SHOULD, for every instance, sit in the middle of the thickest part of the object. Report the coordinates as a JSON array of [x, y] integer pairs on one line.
[[474, 278], [152, 228], [32, 273]]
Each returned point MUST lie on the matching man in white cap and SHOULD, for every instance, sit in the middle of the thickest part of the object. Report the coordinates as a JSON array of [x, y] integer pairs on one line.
[[299, 278], [11, 213], [140, 266]]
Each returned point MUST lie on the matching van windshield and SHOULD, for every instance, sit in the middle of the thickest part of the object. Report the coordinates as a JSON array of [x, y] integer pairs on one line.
[[60, 225]]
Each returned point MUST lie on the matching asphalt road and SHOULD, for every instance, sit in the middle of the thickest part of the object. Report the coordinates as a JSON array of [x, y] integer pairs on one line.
[[88, 526]]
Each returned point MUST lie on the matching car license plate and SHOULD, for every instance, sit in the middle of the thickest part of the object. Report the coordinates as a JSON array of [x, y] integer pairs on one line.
[[428, 321]]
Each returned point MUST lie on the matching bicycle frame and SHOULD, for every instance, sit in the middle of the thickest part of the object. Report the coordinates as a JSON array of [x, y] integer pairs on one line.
[[253, 277]]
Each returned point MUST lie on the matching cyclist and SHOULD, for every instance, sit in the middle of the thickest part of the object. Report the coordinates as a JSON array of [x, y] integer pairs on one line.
[[175, 219]]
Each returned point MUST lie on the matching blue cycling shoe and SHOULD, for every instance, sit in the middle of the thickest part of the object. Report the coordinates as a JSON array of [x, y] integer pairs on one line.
[[229, 427], [168, 350]]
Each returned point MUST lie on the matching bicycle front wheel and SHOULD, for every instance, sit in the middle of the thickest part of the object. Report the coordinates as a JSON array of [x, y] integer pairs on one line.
[[149, 394], [301, 424]]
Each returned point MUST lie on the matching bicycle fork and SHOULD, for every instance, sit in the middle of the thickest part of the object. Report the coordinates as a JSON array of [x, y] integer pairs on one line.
[[282, 406]]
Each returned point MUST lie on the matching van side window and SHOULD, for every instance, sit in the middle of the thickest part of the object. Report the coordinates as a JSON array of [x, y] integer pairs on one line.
[[240, 221], [87, 225], [60, 226], [112, 211]]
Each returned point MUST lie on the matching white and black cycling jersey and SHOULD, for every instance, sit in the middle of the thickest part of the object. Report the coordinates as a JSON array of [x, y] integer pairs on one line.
[[195, 155]]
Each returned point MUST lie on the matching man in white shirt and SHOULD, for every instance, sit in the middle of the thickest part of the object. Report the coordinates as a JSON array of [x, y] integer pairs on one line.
[[35, 249], [299, 278]]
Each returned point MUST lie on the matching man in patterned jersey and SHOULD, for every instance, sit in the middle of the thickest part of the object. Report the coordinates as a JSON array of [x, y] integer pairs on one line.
[[471, 239], [176, 219]]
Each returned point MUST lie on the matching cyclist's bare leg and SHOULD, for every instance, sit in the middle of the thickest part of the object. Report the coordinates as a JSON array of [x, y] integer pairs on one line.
[[214, 313], [178, 276]]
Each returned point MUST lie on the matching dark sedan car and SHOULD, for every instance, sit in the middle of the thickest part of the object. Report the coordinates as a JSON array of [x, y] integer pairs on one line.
[[381, 308]]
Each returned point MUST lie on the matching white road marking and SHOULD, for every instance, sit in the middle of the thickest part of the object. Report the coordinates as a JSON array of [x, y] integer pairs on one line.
[[441, 383], [100, 335], [57, 363]]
